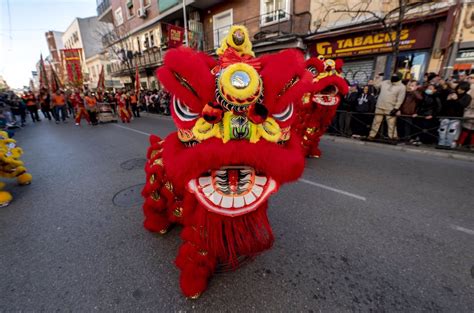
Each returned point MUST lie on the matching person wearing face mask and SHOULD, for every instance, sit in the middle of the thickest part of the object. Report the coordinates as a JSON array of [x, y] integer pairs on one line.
[[425, 111], [452, 111], [391, 96]]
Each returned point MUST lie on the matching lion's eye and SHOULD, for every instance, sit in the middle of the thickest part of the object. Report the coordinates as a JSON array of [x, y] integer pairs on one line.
[[183, 112], [185, 83], [285, 115], [288, 85]]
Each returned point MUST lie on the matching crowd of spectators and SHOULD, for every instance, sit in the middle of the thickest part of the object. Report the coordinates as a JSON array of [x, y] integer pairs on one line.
[[436, 111]]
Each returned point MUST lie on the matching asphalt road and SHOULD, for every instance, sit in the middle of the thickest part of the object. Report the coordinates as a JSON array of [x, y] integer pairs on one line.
[[367, 229]]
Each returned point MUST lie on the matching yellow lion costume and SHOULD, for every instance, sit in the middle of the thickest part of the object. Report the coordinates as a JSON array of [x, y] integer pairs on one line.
[[11, 166]]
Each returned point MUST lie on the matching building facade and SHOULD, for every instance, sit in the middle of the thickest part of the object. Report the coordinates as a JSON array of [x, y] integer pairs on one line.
[[85, 34], [142, 29], [341, 30], [55, 45]]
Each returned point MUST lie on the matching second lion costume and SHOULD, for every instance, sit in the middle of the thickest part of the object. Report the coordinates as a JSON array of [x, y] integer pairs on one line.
[[318, 107]]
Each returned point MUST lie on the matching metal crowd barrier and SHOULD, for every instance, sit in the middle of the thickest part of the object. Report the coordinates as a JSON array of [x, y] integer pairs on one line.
[[438, 132]]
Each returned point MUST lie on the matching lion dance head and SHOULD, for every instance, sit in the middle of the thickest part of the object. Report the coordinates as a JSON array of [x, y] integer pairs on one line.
[[234, 146], [318, 106]]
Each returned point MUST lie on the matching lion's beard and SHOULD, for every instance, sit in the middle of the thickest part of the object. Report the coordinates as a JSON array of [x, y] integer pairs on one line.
[[228, 238]]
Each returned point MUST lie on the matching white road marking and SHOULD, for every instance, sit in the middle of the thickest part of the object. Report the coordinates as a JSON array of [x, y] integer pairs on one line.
[[342, 192], [133, 130], [464, 230]]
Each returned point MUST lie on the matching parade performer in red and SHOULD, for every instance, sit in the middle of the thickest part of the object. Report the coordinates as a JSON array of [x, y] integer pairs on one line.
[[79, 106], [318, 107], [124, 113], [233, 148]]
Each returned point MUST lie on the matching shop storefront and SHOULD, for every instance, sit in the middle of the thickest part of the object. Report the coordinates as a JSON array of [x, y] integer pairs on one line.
[[464, 61], [368, 53]]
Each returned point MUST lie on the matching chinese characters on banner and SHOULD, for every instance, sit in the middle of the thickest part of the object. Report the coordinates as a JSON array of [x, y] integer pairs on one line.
[[176, 37], [72, 59]]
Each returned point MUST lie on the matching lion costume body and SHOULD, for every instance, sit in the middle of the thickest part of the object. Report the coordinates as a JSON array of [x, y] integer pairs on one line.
[[11, 166], [318, 107], [233, 148]]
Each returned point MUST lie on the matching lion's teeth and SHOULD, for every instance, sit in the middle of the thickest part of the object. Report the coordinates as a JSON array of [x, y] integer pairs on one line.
[[260, 180], [249, 198], [238, 202], [204, 181], [216, 198], [257, 190], [208, 190], [227, 202]]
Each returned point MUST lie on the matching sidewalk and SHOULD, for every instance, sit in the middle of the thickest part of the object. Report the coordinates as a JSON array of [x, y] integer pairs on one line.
[[428, 150]]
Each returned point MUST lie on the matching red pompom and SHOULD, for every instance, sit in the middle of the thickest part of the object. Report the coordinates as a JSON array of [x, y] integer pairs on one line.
[[212, 113]]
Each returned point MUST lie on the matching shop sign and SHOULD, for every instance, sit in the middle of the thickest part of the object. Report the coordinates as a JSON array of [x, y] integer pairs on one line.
[[467, 54], [411, 38]]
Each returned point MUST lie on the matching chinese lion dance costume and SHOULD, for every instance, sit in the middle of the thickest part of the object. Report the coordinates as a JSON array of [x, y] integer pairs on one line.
[[11, 166], [318, 107], [233, 148]]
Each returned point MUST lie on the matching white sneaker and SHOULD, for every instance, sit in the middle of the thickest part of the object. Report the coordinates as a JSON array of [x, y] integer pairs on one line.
[[77, 124]]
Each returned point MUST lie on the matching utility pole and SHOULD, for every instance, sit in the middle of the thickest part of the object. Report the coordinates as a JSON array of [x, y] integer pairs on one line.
[[185, 23]]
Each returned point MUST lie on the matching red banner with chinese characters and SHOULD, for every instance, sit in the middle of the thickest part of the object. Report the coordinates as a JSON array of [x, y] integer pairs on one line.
[[175, 36], [72, 59]]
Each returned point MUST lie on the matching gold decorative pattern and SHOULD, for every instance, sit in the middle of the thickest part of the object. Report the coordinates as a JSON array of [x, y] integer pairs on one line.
[[155, 195], [178, 212]]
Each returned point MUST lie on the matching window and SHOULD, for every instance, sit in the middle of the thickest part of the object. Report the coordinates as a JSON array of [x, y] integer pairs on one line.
[[130, 12], [274, 11], [139, 45], [152, 39], [221, 24], [118, 17], [146, 41], [108, 68]]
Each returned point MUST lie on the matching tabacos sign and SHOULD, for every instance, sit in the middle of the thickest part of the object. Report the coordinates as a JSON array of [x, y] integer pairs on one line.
[[411, 38]]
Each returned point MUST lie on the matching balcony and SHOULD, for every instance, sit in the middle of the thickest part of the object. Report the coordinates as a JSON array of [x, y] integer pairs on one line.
[[146, 61], [265, 29], [104, 11]]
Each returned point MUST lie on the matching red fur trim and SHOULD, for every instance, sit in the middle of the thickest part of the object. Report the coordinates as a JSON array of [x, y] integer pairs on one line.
[[339, 65], [335, 80], [195, 68], [282, 163], [316, 63], [277, 71]]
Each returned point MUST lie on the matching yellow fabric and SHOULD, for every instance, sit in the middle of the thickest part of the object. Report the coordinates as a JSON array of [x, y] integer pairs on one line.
[[245, 48]]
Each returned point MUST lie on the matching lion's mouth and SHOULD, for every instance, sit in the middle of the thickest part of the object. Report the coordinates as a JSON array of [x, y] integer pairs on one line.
[[327, 96], [232, 190]]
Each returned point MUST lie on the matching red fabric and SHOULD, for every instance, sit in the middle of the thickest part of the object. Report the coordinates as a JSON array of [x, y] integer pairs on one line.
[[313, 119], [81, 112], [209, 238]]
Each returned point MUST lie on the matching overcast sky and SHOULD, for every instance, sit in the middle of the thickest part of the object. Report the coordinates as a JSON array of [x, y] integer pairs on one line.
[[22, 32]]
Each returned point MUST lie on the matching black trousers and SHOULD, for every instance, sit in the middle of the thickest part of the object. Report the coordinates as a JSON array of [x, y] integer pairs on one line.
[[135, 110], [93, 117], [47, 113], [34, 112]]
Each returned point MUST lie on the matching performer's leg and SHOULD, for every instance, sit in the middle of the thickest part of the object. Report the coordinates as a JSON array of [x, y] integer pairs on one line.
[[78, 117]]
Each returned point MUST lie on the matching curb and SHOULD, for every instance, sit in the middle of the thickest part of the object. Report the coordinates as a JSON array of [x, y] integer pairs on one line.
[[456, 155]]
